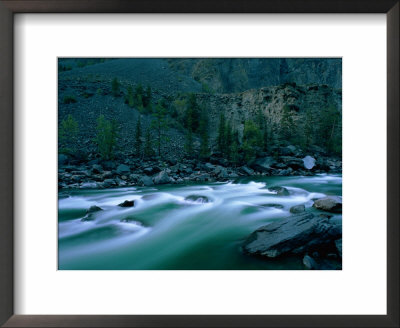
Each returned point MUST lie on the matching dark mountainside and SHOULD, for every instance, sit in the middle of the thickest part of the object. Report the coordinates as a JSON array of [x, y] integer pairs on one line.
[[198, 119]]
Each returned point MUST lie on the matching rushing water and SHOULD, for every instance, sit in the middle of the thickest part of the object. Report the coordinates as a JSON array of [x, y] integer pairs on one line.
[[164, 231]]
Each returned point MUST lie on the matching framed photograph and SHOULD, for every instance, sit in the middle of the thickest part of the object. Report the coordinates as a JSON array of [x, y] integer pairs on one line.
[[208, 164]]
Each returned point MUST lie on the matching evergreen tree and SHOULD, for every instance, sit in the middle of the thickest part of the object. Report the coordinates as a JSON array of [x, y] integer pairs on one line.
[[228, 141], [329, 132], [147, 99], [308, 129], [252, 141], [203, 129], [115, 85], [221, 134], [235, 148], [189, 143], [148, 145], [138, 137], [192, 114], [106, 137], [67, 134], [129, 98], [160, 124], [287, 124]]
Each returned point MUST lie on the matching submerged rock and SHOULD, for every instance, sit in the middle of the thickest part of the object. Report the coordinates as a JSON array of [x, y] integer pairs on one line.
[[280, 191], [93, 209], [330, 204], [198, 199], [297, 209], [162, 178], [310, 263], [127, 203], [279, 206], [300, 234]]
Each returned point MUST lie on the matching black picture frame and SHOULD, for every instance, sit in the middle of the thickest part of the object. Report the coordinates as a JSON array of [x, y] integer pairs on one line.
[[8, 200]]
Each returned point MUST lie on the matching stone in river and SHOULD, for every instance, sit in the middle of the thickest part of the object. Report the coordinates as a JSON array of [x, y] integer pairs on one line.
[[280, 191], [93, 209], [329, 204], [127, 203], [299, 234], [297, 209]]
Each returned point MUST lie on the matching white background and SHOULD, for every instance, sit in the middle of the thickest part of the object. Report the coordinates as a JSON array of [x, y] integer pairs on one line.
[[360, 288]]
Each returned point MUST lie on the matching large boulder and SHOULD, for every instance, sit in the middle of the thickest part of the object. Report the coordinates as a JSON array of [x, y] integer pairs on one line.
[[329, 204], [280, 191], [123, 169], [127, 203], [264, 164], [246, 170], [221, 172], [162, 178], [145, 181], [62, 159], [297, 209], [309, 162], [293, 162], [300, 234]]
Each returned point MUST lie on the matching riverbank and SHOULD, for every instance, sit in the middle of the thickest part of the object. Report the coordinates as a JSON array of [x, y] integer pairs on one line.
[[98, 174]]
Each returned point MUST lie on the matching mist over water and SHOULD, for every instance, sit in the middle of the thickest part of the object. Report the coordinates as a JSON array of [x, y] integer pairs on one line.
[[168, 229]]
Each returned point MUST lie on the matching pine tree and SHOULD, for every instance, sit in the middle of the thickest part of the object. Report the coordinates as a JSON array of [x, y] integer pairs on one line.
[[148, 145], [160, 124], [68, 133], [115, 87], [221, 134], [138, 137], [129, 98], [146, 99], [106, 137], [252, 141], [203, 129], [287, 124]]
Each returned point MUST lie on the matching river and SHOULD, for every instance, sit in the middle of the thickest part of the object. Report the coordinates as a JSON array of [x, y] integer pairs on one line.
[[165, 230]]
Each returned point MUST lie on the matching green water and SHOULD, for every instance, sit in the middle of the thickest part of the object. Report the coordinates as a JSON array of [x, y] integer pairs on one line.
[[163, 231]]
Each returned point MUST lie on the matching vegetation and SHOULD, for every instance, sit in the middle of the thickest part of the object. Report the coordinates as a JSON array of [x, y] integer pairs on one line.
[[106, 137], [115, 87], [138, 137], [160, 124], [69, 99], [67, 134]]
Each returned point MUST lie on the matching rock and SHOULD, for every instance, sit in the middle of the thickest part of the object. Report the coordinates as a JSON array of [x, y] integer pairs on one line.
[[89, 185], [151, 170], [279, 206], [109, 183], [264, 164], [310, 263], [145, 181], [88, 217], [285, 172], [221, 172], [329, 204], [280, 191], [62, 159], [309, 162], [109, 165], [162, 178], [93, 209], [127, 203], [297, 209], [293, 162], [246, 170], [96, 169], [209, 167], [338, 244], [300, 234], [123, 169], [198, 199]]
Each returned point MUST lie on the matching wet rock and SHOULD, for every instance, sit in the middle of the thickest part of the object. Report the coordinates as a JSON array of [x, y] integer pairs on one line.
[[96, 169], [127, 203], [279, 206], [151, 196], [145, 181], [88, 217], [338, 244], [198, 199], [209, 167], [280, 191], [297, 209], [89, 185], [286, 172], [109, 183], [310, 263], [62, 159], [309, 162], [221, 172], [264, 164], [151, 170], [329, 204], [246, 170], [123, 169], [299, 234], [162, 178], [93, 209]]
